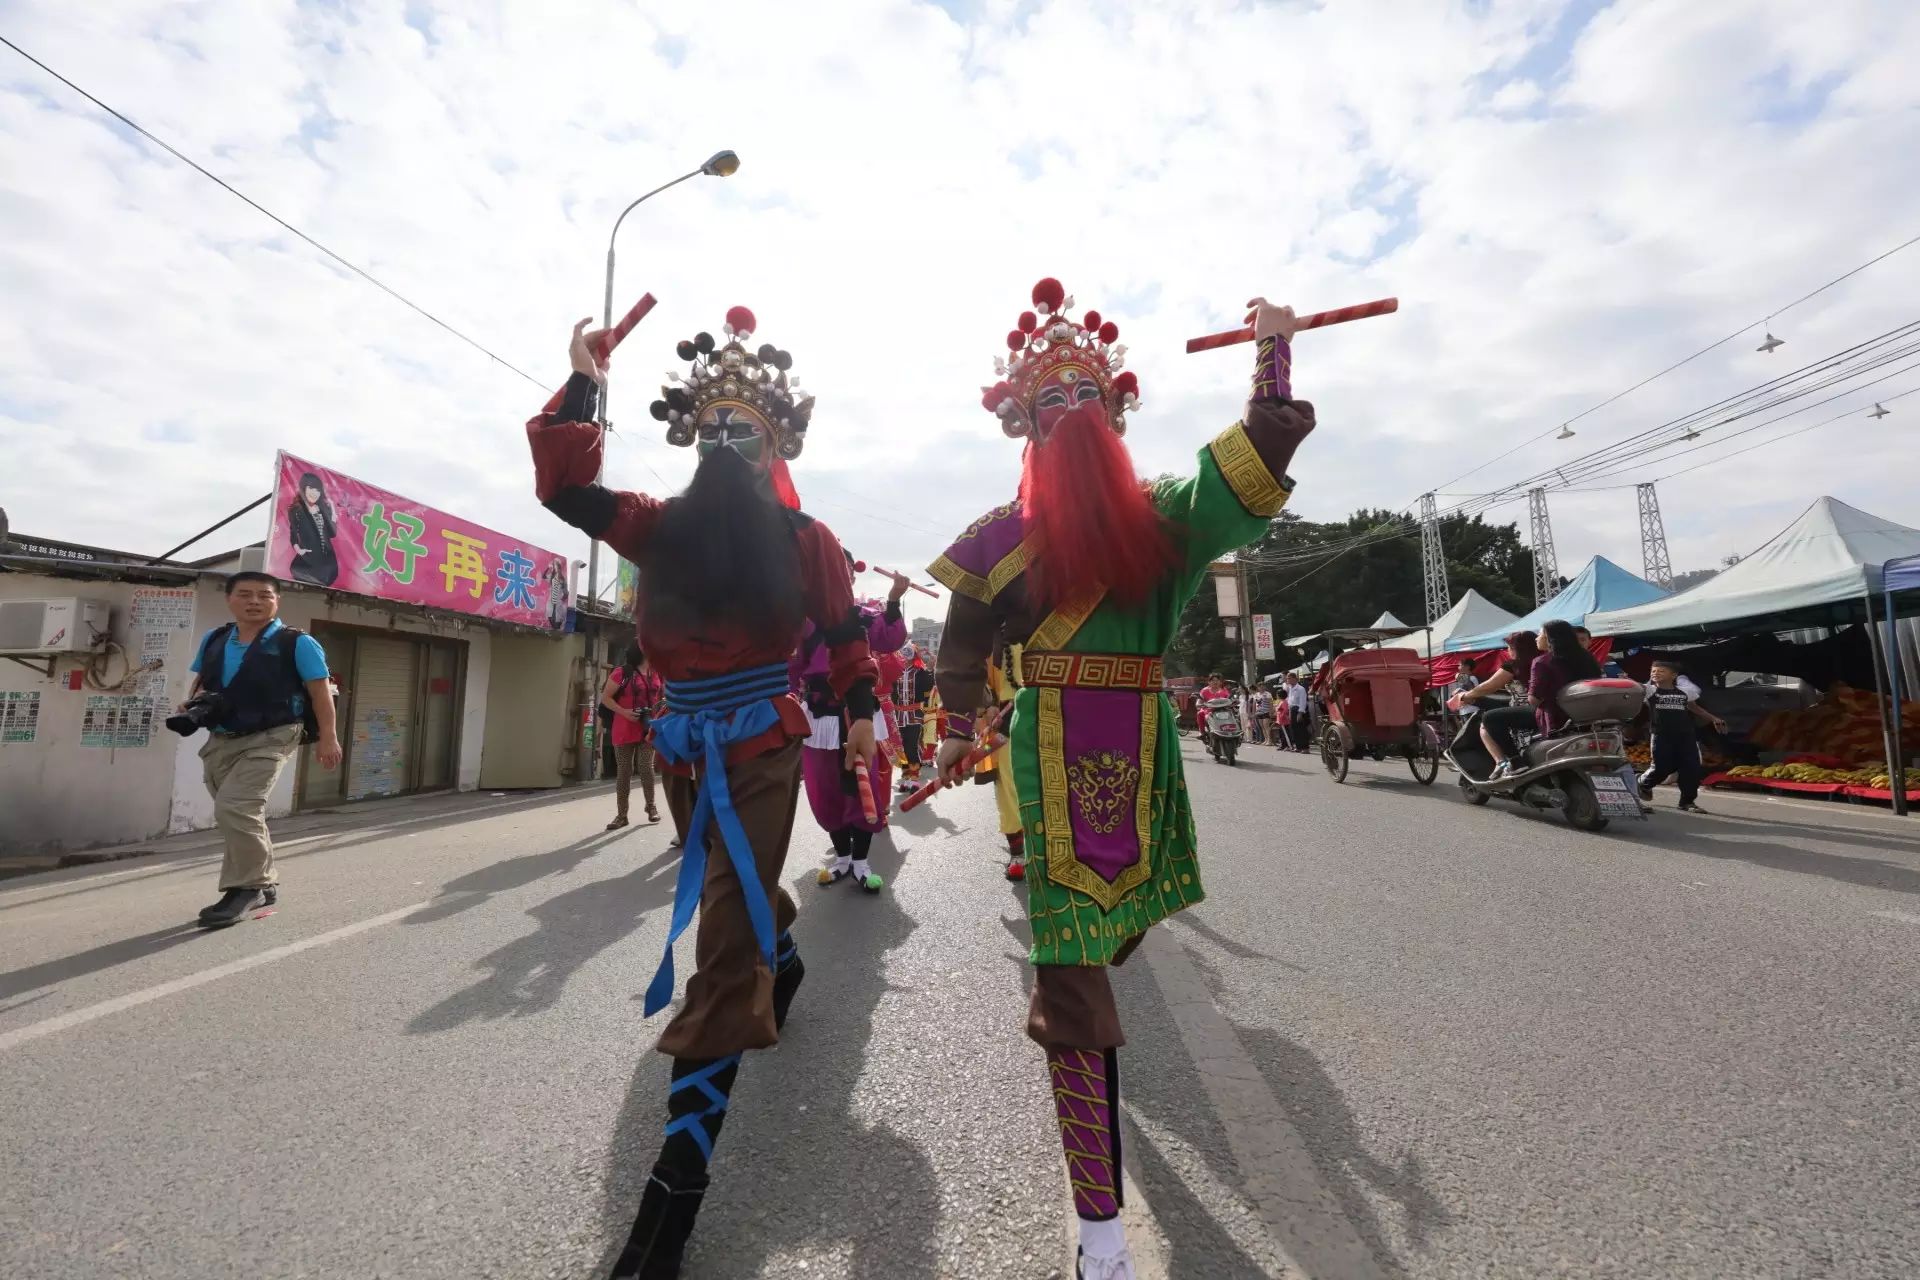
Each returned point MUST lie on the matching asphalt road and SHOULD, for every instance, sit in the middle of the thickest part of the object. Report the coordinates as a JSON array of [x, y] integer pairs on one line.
[[1404, 1037]]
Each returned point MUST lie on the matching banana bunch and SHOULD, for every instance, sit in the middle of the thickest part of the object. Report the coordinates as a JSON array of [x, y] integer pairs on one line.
[[1870, 776]]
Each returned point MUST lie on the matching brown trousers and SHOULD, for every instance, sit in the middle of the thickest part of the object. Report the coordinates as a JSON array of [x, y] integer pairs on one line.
[[729, 1002], [631, 758], [1072, 1008]]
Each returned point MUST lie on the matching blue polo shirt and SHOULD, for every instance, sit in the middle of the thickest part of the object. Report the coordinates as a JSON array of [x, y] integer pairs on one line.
[[309, 659]]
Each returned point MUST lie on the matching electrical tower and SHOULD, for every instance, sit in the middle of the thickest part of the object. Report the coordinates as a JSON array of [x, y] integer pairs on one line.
[[1546, 568], [1433, 564], [1653, 539]]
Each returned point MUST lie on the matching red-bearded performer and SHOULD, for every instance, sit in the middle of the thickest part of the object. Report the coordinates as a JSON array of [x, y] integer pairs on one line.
[[1089, 570], [730, 573]]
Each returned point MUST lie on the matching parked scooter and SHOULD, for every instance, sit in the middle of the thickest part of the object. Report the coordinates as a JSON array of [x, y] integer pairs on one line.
[[1582, 771], [1223, 731]]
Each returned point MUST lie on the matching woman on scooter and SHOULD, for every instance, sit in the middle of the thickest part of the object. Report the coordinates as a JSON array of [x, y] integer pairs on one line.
[[1565, 661], [1513, 677]]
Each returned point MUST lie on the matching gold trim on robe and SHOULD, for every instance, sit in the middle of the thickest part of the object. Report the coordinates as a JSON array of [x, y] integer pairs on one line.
[[1246, 474]]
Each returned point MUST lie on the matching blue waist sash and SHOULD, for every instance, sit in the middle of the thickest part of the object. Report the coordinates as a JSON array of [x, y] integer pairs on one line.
[[704, 718]]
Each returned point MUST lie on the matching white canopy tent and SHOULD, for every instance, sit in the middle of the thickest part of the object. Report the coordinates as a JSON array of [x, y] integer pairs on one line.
[[1472, 614], [1819, 571], [1387, 622]]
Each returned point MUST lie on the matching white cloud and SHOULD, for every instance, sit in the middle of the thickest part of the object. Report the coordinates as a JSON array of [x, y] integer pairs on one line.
[[1561, 210]]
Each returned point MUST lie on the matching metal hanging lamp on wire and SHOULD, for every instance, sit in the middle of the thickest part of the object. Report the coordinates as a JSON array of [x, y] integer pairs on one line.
[[1879, 410], [1770, 344], [1566, 432]]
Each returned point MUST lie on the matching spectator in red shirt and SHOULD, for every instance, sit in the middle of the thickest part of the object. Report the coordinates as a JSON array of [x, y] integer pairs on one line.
[[633, 693]]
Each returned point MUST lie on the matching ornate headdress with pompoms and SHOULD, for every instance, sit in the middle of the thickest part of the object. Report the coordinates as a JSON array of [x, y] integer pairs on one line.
[[754, 384], [1046, 342]]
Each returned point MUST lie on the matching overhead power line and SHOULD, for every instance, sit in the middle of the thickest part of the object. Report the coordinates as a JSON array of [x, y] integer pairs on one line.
[[242, 196], [1682, 363]]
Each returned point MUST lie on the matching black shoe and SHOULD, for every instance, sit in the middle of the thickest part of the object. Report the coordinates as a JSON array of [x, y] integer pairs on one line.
[[232, 908], [660, 1230], [1691, 807], [1646, 793], [785, 983]]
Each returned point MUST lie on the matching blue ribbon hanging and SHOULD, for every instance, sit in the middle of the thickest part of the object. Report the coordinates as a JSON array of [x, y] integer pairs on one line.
[[704, 718]]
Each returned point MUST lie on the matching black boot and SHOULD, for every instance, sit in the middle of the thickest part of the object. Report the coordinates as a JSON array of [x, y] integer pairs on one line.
[[659, 1237], [231, 909], [785, 983]]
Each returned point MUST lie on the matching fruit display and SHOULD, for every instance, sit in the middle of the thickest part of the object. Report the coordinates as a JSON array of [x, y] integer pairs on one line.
[[1640, 755], [1843, 725], [1874, 775]]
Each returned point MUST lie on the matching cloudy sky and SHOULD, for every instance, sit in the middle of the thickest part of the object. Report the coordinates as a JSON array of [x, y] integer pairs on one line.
[[1566, 197]]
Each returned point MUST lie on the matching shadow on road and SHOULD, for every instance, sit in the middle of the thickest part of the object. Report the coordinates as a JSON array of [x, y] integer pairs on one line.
[[468, 891], [1164, 1088], [1718, 841], [1315, 1106], [49, 972], [924, 820], [795, 1134], [528, 974]]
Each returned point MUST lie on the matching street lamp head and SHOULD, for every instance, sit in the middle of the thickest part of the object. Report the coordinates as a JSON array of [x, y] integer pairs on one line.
[[721, 164]]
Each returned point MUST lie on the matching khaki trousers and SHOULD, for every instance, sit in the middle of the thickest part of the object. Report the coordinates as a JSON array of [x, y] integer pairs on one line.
[[240, 774]]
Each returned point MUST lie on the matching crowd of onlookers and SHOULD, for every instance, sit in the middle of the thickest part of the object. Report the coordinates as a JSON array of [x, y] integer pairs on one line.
[[1280, 717]]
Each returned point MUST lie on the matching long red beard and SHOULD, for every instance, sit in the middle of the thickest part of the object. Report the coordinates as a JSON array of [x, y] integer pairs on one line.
[[1088, 519]]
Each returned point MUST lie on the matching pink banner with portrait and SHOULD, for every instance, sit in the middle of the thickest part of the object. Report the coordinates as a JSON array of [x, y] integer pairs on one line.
[[330, 530]]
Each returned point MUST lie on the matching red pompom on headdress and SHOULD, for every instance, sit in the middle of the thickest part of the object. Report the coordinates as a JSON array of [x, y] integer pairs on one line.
[[740, 323], [1044, 341]]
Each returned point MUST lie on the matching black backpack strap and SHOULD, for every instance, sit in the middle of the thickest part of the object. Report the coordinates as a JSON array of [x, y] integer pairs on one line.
[[290, 638], [212, 660]]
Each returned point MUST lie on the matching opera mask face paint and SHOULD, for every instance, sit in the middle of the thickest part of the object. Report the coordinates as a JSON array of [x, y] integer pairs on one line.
[[730, 427], [1064, 389]]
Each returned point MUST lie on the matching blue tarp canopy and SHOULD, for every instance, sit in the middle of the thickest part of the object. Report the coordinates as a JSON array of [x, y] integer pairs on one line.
[[1903, 575], [1602, 585]]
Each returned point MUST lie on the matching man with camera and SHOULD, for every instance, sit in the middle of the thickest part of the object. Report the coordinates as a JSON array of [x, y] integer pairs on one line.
[[261, 691]]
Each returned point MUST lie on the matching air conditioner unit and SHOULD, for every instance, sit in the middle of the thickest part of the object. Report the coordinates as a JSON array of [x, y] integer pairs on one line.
[[67, 624]]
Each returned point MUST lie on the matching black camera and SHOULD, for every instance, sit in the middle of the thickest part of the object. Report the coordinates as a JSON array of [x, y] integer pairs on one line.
[[203, 710]]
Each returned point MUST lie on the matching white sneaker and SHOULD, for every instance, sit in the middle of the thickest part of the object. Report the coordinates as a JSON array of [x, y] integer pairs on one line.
[[1118, 1267]]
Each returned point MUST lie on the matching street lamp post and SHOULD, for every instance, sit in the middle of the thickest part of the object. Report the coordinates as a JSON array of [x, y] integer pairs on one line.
[[720, 164]]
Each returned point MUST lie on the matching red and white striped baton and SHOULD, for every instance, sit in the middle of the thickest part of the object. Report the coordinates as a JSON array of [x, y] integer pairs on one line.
[[1318, 320]]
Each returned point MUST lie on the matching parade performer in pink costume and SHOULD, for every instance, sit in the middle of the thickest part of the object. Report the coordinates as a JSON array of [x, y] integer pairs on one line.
[[831, 789]]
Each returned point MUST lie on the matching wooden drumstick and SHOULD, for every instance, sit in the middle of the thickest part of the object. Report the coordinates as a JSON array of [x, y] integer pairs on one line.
[[1318, 320]]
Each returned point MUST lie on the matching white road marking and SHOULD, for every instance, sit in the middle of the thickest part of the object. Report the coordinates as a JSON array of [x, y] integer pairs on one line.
[[133, 1000], [1277, 1173]]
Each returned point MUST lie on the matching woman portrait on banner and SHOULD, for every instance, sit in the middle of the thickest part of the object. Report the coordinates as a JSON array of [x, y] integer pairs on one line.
[[555, 576], [312, 528]]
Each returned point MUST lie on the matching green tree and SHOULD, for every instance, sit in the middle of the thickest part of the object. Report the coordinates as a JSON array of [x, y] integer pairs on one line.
[[1313, 576]]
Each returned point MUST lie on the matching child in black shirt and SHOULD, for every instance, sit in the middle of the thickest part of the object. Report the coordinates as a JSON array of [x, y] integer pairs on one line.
[[1676, 748]]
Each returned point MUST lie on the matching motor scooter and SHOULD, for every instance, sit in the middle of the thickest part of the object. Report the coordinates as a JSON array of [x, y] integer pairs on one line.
[[1582, 771], [1223, 728]]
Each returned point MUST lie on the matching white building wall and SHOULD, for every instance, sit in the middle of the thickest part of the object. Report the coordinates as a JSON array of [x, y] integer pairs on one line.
[[56, 794]]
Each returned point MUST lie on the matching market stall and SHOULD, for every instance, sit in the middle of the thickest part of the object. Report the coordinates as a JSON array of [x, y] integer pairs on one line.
[[1472, 614], [1822, 571], [1600, 586]]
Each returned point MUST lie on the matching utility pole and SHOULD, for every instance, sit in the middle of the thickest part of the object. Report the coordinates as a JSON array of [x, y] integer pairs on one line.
[[1546, 567], [1247, 666], [1433, 562], [1658, 569]]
